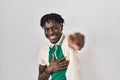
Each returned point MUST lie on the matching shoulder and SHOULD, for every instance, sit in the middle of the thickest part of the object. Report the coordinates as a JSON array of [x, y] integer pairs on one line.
[[44, 49], [66, 39], [43, 55]]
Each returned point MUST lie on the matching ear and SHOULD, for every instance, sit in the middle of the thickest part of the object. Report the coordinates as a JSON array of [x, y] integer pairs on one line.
[[61, 28]]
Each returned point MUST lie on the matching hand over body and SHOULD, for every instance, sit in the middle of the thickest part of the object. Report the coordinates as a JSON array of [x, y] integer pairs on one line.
[[54, 66]]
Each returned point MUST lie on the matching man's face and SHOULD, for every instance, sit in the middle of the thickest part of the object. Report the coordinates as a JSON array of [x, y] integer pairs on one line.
[[53, 31]]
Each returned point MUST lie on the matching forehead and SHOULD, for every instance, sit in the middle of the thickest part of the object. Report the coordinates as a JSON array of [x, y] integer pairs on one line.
[[51, 24]]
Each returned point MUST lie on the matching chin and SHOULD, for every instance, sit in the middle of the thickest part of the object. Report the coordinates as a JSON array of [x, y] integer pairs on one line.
[[54, 42]]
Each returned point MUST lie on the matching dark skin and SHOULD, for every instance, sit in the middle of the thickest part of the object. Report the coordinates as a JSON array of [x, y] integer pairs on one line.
[[53, 31], [44, 71]]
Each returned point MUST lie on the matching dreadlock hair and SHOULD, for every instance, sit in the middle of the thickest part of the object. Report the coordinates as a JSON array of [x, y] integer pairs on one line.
[[51, 17]]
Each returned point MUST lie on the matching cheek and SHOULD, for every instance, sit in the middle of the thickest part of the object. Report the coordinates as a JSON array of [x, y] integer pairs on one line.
[[59, 35], [57, 32], [45, 33]]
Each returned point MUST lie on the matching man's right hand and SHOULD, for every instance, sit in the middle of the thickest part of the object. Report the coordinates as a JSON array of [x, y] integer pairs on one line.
[[57, 65]]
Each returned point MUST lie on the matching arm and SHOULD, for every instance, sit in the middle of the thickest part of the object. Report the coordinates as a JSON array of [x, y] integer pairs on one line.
[[54, 66], [42, 74]]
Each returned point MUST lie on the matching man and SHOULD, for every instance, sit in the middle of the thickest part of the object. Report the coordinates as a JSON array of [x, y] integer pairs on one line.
[[59, 60]]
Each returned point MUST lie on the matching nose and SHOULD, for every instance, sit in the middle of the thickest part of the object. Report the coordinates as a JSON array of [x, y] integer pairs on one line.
[[51, 32]]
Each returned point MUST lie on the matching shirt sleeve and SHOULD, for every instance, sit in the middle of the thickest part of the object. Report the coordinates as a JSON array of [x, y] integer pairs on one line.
[[40, 57], [80, 52]]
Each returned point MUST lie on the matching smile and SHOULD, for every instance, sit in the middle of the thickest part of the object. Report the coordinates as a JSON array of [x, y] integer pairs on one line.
[[52, 37]]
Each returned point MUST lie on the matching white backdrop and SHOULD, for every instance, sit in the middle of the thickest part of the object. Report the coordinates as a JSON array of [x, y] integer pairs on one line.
[[21, 36]]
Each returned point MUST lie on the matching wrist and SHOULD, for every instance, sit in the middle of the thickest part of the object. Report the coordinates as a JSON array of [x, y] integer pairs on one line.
[[48, 71]]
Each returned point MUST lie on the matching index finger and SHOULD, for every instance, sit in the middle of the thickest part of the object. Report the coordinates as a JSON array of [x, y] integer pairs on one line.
[[63, 58]]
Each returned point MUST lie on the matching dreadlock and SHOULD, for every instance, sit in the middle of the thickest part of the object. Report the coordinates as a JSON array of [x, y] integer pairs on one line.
[[51, 17]]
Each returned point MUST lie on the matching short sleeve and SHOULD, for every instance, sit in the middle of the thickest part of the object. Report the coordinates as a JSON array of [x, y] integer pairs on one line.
[[40, 57]]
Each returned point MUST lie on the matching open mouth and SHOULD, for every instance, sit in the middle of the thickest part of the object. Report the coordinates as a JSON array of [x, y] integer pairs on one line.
[[53, 37]]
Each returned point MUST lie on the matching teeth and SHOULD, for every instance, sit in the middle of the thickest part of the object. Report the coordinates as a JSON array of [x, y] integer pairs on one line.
[[52, 37]]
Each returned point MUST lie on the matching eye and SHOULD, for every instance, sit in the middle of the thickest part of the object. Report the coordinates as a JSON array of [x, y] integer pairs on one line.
[[46, 29], [55, 28]]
